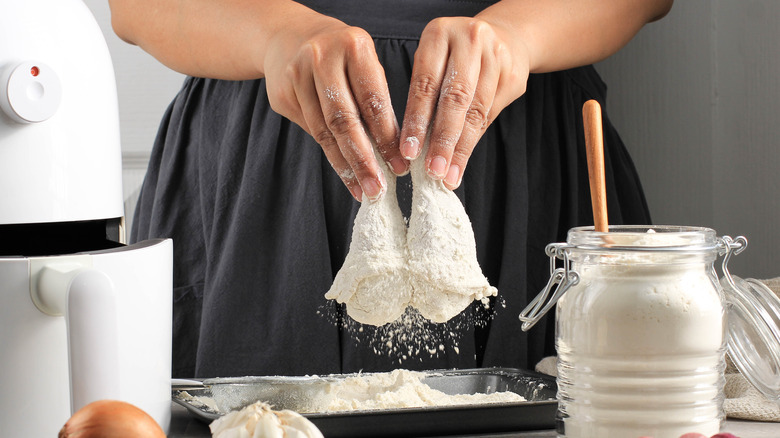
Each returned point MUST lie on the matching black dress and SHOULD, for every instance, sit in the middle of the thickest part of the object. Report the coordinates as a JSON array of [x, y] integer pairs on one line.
[[261, 223]]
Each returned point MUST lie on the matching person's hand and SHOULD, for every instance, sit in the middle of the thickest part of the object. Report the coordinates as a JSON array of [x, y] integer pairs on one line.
[[466, 70], [326, 77]]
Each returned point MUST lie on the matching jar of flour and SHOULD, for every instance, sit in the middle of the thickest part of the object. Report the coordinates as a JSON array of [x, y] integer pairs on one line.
[[642, 330]]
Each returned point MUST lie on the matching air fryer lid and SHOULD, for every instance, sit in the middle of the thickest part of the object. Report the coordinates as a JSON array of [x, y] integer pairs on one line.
[[60, 157]]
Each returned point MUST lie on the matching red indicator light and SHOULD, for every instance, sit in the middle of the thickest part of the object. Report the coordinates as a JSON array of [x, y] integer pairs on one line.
[[35, 71]]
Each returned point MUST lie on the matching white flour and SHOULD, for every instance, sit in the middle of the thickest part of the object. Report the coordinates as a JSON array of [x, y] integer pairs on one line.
[[377, 391], [200, 402], [640, 351], [412, 337], [400, 389]]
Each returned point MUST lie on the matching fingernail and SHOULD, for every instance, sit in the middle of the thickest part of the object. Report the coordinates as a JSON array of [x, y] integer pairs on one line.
[[437, 167], [410, 148], [453, 176], [371, 188], [357, 193], [398, 165]]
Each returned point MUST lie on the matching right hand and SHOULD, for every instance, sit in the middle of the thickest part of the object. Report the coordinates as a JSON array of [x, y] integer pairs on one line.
[[325, 76]]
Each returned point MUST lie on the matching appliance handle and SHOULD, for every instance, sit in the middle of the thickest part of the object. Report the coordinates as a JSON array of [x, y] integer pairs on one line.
[[93, 338], [88, 299]]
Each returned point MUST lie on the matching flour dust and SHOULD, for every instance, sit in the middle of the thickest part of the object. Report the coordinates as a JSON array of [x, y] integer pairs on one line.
[[413, 338]]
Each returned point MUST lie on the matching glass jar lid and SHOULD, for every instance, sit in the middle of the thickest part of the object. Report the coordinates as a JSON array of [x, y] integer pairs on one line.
[[644, 238], [753, 315]]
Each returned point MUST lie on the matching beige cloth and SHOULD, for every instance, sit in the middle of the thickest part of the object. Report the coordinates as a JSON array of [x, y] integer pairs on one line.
[[743, 401]]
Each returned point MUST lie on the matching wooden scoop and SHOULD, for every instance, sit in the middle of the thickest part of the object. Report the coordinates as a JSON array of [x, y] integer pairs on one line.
[[594, 143]]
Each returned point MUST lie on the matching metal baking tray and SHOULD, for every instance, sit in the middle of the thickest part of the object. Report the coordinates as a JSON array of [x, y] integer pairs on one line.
[[210, 398]]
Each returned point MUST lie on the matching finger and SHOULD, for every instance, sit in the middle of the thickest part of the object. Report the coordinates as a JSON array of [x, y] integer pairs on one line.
[[366, 77], [430, 62], [344, 123], [455, 99], [478, 117], [311, 110]]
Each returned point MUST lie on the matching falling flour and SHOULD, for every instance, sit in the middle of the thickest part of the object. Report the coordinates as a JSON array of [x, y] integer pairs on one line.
[[412, 338]]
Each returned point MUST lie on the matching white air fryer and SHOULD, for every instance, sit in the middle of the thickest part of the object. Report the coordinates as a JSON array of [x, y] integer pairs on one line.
[[83, 317]]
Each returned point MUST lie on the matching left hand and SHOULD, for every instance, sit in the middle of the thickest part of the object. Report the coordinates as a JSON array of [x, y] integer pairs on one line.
[[466, 70]]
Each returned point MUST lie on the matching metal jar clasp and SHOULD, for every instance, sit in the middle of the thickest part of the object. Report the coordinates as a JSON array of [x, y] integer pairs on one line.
[[561, 279], [728, 247]]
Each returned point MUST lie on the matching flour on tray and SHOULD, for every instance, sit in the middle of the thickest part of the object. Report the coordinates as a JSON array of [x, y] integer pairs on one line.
[[400, 389]]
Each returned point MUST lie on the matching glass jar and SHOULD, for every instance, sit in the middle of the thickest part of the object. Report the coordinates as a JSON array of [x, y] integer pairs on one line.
[[640, 331]]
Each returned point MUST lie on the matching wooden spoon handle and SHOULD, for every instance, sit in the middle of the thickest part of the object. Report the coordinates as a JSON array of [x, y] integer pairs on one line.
[[594, 142]]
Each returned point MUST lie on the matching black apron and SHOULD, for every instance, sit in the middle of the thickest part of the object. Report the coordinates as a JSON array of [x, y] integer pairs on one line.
[[261, 223]]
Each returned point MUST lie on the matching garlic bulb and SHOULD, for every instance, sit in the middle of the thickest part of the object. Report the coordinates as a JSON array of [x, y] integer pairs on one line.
[[258, 420]]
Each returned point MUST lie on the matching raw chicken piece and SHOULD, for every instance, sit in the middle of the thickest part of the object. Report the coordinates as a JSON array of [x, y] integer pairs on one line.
[[374, 281], [432, 265], [442, 252]]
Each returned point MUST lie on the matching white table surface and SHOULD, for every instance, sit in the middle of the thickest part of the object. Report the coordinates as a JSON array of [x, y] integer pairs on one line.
[[184, 425]]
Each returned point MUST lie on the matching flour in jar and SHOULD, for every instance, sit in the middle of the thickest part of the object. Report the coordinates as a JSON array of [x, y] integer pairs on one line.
[[640, 349]]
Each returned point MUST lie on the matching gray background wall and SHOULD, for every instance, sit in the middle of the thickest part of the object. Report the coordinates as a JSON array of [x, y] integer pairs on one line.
[[696, 97]]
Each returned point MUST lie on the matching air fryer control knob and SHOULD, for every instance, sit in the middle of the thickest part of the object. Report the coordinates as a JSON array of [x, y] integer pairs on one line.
[[30, 92]]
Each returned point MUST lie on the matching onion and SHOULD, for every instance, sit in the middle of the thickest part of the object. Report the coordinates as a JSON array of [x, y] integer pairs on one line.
[[110, 419]]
